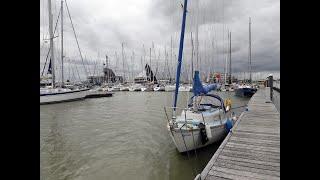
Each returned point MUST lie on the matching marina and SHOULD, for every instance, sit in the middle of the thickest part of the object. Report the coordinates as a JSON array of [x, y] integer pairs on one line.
[[159, 90]]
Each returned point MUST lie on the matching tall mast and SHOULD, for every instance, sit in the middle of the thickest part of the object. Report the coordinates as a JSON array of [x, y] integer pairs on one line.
[[171, 54], [225, 70], [123, 63], [128, 70], [230, 59], [224, 45], [107, 61], [192, 55], [165, 75], [62, 75], [157, 66], [180, 54], [197, 34], [133, 65], [108, 76], [116, 58], [213, 58], [150, 67], [167, 64], [150, 58], [250, 49], [51, 43], [141, 63]]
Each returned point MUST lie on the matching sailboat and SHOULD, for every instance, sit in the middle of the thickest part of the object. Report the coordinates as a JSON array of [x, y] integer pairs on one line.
[[139, 81], [159, 87], [185, 88], [247, 90], [228, 86], [205, 120], [135, 87], [148, 87], [169, 87], [123, 87], [53, 94]]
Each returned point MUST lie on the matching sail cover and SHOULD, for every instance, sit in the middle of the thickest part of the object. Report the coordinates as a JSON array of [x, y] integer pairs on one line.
[[198, 88], [49, 68]]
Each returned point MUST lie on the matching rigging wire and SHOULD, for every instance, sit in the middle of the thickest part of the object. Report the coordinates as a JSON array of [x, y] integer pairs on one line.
[[85, 70], [55, 28]]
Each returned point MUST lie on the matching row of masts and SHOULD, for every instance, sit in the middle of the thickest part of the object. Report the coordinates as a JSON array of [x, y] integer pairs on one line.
[[52, 50], [52, 57], [51, 43], [228, 61], [126, 70], [62, 50], [194, 45]]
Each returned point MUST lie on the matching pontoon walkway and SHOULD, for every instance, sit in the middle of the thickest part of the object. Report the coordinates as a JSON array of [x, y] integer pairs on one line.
[[252, 149]]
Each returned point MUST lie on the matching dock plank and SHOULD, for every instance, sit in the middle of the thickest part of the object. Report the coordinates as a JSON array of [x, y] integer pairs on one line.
[[252, 149], [256, 169], [248, 164], [250, 161], [247, 174]]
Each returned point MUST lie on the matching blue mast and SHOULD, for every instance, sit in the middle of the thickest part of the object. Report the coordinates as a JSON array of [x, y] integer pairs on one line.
[[180, 54]]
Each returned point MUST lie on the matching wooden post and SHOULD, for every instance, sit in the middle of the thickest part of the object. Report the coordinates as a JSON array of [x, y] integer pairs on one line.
[[270, 84]]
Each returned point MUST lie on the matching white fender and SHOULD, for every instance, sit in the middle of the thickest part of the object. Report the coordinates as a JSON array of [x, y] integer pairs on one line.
[[208, 131]]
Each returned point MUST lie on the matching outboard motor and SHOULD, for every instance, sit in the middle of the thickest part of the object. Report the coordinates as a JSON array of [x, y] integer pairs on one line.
[[203, 133]]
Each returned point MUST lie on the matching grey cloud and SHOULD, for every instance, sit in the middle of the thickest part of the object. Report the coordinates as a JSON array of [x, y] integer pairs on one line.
[[103, 31]]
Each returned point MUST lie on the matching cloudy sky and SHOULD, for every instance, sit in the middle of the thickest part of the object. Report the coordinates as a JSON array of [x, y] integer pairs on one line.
[[102, 25]]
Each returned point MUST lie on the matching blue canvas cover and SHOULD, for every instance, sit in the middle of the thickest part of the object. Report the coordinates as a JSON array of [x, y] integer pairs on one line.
[[198, 88]]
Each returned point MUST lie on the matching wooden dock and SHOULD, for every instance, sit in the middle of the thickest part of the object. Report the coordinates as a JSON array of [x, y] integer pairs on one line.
[[252, 149]]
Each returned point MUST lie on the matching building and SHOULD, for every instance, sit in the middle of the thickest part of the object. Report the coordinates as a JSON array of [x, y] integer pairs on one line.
[[107, 77]]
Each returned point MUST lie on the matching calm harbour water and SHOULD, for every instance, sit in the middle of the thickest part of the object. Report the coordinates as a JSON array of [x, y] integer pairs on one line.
[[119, 137]]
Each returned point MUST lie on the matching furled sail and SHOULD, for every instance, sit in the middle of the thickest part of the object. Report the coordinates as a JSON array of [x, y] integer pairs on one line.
[[49, 68], [198, 88], [150, 75]]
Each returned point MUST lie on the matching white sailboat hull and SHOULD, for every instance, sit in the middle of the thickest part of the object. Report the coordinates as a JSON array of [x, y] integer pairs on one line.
[[98, 93], [186, 140], [169, 88], [73, 95], [184, 88], [135, 87], [146, 89], [159, 88], [124, 89], [185, 130], [114, 89]]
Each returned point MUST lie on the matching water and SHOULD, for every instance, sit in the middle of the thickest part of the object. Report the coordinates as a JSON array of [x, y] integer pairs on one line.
[[119, 137]]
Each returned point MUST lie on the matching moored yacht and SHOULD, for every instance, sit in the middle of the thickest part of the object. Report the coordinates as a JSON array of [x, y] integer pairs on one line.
[[206, 120], [169, 87], [56, 94]]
